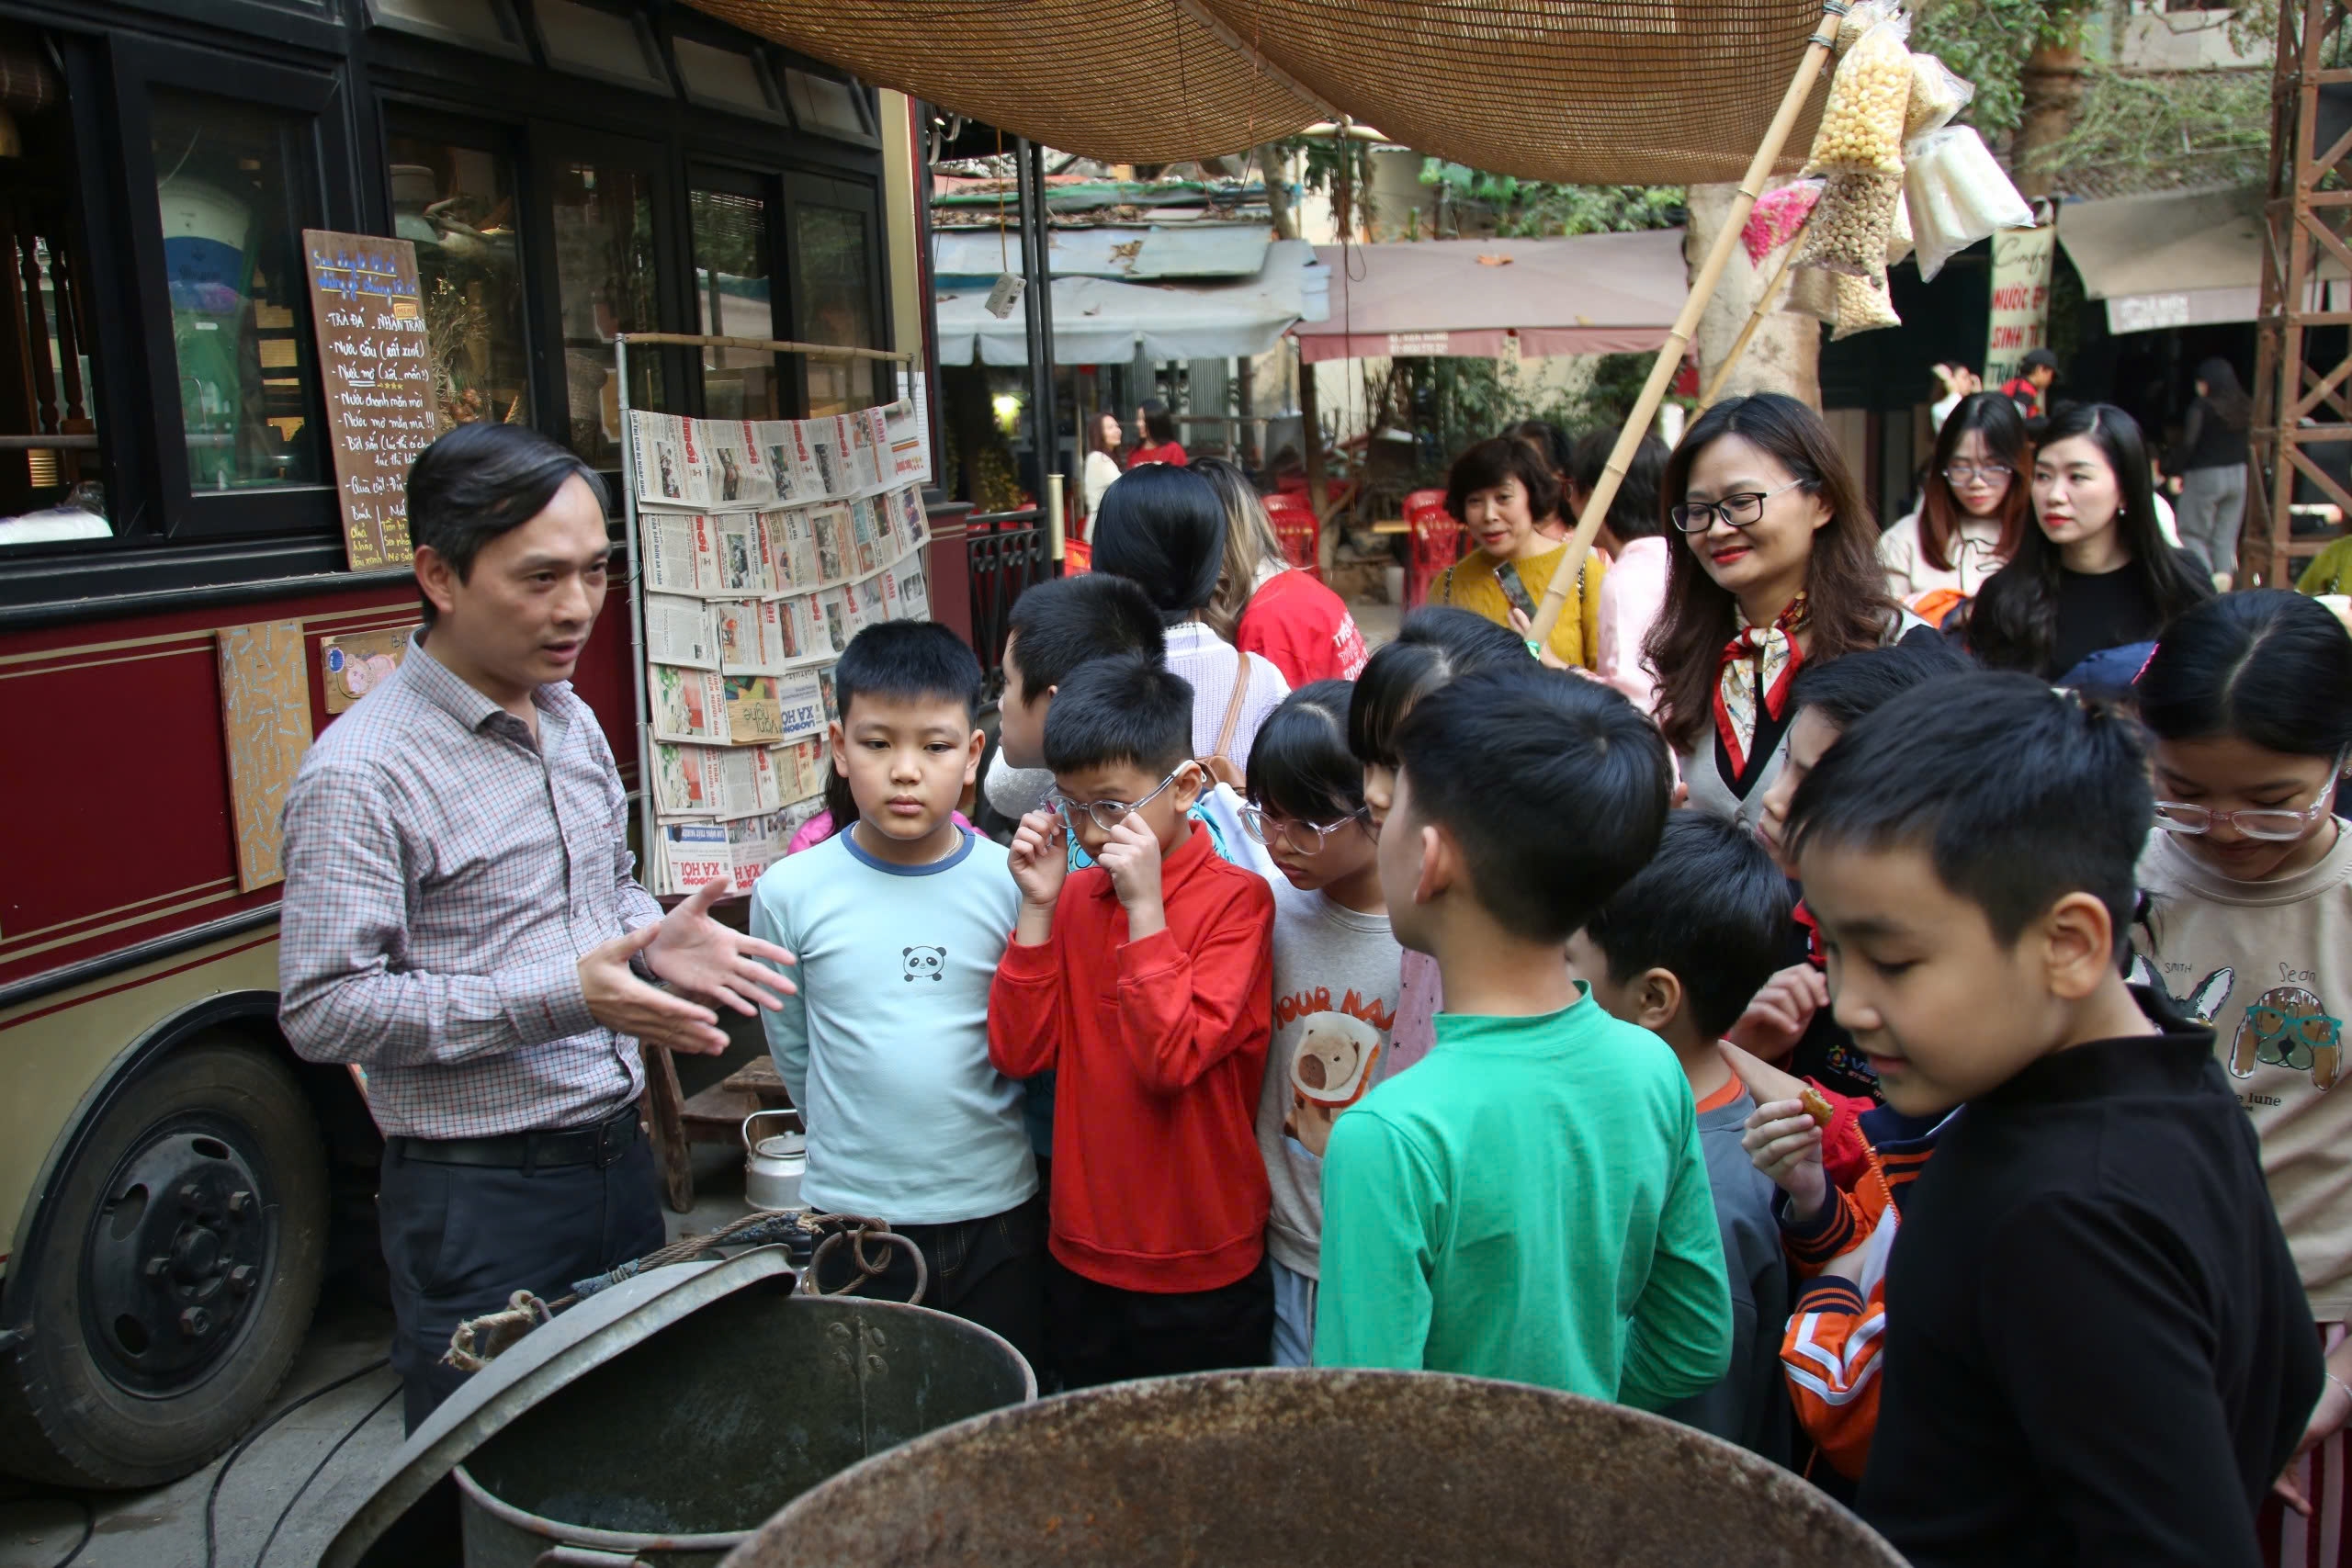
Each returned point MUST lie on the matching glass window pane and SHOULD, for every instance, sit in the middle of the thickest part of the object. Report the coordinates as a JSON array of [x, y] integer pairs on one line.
[[732, 293], [605, 281], [484, 24], [457, 205], [834, 294], [724, 78], [821, 104], [235, 188], [598, 43], [53, 492]]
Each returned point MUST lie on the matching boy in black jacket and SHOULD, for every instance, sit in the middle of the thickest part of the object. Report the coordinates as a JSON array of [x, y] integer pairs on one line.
[[2098, 1347]]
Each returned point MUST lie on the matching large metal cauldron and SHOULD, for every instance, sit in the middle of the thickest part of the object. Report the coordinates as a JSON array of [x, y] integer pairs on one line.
[[1316, 1470], [676, 1452], [656, 1423]]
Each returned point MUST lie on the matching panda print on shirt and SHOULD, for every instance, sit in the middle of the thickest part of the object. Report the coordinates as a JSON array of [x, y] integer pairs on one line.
[[922, 963]]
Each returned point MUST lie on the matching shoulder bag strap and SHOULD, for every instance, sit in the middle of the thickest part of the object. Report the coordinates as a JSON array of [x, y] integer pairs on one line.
[[1233, 708]]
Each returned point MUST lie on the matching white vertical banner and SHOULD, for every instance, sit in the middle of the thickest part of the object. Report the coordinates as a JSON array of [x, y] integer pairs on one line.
[[2022, 260]]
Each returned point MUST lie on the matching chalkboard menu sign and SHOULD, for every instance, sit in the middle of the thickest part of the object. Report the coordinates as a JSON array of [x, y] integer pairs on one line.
[[371, 319]]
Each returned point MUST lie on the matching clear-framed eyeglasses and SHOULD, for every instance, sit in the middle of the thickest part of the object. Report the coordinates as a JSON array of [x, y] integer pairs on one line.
[[2277, 824], [1304, 838], [1741, 511], [1992, 474], [1107, 814]]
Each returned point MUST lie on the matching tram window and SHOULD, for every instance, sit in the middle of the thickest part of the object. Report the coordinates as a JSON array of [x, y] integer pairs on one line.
[[235, 189], [604, 285], [50, 490], [827, 107], [733, 295], [832, 285], [458, 204]]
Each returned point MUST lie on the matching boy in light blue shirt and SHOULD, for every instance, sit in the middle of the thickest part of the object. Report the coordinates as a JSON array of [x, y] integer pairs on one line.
[[899, 921]]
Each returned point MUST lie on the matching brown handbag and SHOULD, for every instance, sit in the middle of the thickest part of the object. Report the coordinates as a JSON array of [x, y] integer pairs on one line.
[[1219, 762]]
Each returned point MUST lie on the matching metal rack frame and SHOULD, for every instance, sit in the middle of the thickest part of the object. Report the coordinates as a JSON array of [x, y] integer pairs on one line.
[[2306, 213], [648, 830]]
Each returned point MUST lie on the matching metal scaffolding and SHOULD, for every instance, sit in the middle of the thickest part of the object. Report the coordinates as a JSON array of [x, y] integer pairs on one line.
[[2302, 390]]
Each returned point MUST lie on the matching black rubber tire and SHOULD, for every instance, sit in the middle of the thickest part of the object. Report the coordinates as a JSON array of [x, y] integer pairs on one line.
[[64, 1418]]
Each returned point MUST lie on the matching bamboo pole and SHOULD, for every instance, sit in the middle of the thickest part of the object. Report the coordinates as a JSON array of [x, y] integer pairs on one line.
[[1703, 288], [1755, 318]]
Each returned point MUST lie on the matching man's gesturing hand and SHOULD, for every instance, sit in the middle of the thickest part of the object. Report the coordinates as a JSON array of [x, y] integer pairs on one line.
[[702, 958], [626, 1005]]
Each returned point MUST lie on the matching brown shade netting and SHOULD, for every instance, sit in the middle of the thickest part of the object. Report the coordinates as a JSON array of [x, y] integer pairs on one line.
[[1638, 92], [1123, 81], [1635, 92]]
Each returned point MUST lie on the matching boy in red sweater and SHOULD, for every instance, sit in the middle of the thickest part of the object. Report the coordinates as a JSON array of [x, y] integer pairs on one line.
[[1146, 982]]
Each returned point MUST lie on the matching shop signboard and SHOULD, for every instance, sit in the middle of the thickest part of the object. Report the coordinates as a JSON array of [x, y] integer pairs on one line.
[[2022, 259], [370, 313]]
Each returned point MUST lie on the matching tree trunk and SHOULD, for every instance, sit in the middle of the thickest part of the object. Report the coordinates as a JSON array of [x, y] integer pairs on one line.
[[1785, 354], [1272, 168], [2051, 84]]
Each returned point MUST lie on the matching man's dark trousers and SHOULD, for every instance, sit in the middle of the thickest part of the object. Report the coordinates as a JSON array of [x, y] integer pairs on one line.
[[460, 1239]]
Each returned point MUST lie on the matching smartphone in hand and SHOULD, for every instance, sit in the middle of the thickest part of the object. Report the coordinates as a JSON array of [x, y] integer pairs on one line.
[[1514, 589]]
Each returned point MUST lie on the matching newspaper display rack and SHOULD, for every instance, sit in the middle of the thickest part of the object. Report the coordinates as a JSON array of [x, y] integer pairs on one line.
[[757, 549]]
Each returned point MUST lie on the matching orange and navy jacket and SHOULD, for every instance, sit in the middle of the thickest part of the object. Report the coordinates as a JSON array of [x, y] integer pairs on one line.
[[1837, 1326]]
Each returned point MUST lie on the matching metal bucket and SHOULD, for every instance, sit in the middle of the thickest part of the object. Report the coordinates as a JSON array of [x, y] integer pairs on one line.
[[674, 1451], [1316, 1470]]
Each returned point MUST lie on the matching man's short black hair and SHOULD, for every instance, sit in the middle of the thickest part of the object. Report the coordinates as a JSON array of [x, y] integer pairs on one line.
[[910, 660], [2037, 359], [2019, 795], [1843, 690], [1710, 908], [1064, 621], [480, 481], [1502, 758], [1120, 710]]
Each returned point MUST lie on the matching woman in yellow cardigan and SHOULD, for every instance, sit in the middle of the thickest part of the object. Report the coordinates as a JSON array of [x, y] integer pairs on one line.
[[1498, 489]]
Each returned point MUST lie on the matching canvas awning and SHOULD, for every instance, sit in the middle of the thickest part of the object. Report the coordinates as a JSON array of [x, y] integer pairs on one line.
[[1638, 92], [2187, 258], [1099, 320], [1589, 294], [1134, 253]]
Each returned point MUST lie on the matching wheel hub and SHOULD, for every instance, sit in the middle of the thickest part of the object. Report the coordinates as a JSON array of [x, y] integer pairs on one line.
[[174, 1254]]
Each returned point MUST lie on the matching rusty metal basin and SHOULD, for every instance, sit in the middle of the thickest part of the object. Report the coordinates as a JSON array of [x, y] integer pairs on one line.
[[1322, 1468]]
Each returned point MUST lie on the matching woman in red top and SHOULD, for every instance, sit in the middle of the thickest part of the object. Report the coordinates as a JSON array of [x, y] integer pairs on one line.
[[1266, 607], [1155, 437]]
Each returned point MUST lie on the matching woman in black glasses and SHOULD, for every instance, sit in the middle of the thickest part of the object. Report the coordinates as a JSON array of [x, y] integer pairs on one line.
[[1973, 514], [1779, 569]]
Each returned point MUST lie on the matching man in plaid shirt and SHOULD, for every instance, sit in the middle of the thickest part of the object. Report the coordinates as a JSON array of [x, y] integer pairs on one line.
[[461, 917]]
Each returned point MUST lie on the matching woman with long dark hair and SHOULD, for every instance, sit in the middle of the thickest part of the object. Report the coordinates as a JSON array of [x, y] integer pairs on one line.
[[1163, 529], [1779, 570], [1265, 606], [1101, 468], [1156, 436], [1971, 514], [2095, 572], [2210, 479]]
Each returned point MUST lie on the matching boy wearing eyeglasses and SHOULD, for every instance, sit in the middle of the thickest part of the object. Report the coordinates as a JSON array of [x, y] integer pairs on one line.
[[1145, 982]]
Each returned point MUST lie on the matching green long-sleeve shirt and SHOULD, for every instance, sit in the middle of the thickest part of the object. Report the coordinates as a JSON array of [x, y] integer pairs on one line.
[[1529, 1202]]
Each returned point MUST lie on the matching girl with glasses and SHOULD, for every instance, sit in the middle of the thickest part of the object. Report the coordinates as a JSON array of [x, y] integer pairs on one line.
[[2249, 701], [2095, 573], [1337, 970], [1972, 512], [1778, 568]]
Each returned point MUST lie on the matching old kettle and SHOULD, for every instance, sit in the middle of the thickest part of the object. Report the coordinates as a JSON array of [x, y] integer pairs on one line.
[[773, 1166]]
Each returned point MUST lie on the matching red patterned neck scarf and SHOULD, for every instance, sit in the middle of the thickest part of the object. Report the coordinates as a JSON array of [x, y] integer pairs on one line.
[[1758, 666]]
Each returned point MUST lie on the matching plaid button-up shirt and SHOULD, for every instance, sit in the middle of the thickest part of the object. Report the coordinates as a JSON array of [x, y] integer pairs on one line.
[[444, 875]]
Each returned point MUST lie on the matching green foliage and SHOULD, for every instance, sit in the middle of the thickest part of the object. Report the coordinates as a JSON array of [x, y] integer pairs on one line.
[[1535, 208], [1454, 402], [1987, 41], [2197, 128]]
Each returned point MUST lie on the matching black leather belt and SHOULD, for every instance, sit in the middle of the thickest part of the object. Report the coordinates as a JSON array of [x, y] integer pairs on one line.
[[601, 1145]]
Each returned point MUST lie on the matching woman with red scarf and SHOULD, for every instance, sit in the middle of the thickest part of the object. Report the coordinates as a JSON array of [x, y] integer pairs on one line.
[[1779, 568]]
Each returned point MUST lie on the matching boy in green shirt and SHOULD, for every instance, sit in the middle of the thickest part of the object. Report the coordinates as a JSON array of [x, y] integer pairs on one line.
[[1531, 1201]]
